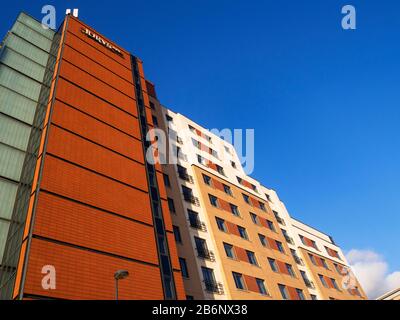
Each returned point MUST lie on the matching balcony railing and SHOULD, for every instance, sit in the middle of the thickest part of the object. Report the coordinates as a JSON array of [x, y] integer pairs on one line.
[[191, 198], [206, 254], [184, 176], [197, 224], [214, 287]]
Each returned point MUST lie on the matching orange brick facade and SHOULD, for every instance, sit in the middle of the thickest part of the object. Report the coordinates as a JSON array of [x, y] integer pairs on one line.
[[90, 211]]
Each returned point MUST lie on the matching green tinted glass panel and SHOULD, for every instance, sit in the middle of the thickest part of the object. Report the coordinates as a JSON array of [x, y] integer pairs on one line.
[[18, 82], [16, 105], [4, 225], [27, 49], [22, 64], [35, 25], [32, 36], [11, 162], [8, 192], [14, 133]]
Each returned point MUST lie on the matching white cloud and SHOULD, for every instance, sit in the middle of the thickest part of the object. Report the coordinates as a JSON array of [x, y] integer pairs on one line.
[[371, 269]]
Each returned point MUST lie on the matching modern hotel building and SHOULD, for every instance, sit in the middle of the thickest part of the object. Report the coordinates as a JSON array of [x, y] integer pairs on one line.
[[77, 194]]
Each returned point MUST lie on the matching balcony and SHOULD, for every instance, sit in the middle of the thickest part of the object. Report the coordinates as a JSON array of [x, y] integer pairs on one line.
[[191, 198], [214, 287], [206, 254], [197, 224], [184, 176]]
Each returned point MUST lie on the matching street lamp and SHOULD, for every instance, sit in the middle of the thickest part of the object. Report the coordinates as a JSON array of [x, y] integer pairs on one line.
[[119, 275]]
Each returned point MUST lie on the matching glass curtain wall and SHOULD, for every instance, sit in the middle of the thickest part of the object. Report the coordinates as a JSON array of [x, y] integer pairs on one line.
[[24, 54]]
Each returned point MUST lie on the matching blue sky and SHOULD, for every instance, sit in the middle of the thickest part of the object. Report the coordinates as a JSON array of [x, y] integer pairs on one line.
[[324, 102]]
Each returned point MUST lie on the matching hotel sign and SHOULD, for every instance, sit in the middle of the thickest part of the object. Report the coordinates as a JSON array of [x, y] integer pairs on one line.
[[100, 40]]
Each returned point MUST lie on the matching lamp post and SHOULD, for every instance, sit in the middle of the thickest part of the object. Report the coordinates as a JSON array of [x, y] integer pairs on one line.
[[119, 275]]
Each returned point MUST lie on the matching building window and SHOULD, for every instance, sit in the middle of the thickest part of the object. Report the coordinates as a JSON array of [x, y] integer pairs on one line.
[[335, 284], [220, 170], [323, 261], [228, 190], [227, 149], [209, 279], [280, 246], [313, 297], [201, 160], [221, 224], [271, 225], [307, 281], [314, 245], [169, 118], [262, 206], [196, 143], [155, 121], [234, 210], [290, 270], [194, 220], [278, 218], [207, 180], [296, 257], [283, 290], [201, 247], [213, 200], [300, 294], [188, 196], [246, 198], [229, 250], [167, 183], [152, 105], [171, 205], [214, 153], [189, 297], [243, 232], [322, 279], [233, 164], [184, 268], [251, 257], [263, 240], [254, 188], [273, 265], [177, 234], [312, 258], [288, 238], [332, 253], [261, 286], [254, 218], [338, 269], [239, 282], [268, 197]]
